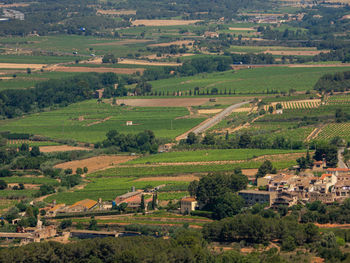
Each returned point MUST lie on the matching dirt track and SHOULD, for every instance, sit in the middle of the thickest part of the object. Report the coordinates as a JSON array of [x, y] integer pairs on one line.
[[181, 102], [147, 63], [178, 43], [116, 12], [62, 148], [98, 70], [155, 22], [189, 178], [96, 163], [296, 52], [21, 66]]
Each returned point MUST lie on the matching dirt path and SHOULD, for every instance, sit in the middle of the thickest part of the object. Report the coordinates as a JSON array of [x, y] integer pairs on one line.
[[97, 122], [208, 123], [242, 126], [62, 148], [96, 163], [314, 133]]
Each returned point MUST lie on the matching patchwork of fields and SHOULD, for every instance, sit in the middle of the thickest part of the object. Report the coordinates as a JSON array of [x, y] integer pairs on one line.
[[98, 119]]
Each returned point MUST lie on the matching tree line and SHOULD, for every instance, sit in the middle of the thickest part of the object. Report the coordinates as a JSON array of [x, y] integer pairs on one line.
[[62, 92], [339, 81]]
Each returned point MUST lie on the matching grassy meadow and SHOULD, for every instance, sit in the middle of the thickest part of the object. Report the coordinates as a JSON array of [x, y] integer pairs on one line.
[[99, 119], [257, 80], [208, 155]]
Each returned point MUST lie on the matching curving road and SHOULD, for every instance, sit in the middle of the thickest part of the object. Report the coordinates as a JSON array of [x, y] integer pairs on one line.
[[341, 163], [217, 118]]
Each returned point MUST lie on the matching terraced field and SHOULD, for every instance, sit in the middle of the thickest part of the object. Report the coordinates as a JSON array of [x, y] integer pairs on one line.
[[335, 129]]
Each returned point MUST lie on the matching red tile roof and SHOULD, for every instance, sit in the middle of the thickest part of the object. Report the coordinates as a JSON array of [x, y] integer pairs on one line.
[[189, 199]]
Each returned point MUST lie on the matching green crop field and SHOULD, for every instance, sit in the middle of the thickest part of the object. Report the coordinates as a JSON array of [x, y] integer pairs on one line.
[[67, 44], [99, 119], [37, 59], [208, 155], [173, 170], [30, 180], [335, 129], [256, 80], [106, 188], [24, 80]]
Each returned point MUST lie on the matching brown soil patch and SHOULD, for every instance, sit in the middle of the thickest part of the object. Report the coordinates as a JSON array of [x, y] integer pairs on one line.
[[189, 178], [296, 52], [242, 28], [122, 42], [21, 66], [96, 163], [342, 226], [249, 172], [178, 43], [183, 102], [116, 12], [242, 110], [62, 148], [14, 5], [209, 111], [147, 63], [98, 70], [97, 122], [26, 186], [156, 22]]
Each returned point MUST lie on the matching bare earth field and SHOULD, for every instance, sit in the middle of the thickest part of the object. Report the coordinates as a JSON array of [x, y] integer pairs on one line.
[[189, 178], [96, 163], [14, 5], [209, 111], [147, 63], [156, 22], [116, 12], [178, 43], [62, 148], [296, 53], [98, 70], [16, 65], [183, 102]]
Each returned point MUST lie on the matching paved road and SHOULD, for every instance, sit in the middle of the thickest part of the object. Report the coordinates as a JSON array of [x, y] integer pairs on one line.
[[341, 163], [217, 118]]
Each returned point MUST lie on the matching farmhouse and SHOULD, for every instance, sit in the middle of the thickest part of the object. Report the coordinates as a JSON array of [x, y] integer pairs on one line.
[[125, 197], [56, 209], [128, 123], [188, 204], [82, 206], [253, 197]]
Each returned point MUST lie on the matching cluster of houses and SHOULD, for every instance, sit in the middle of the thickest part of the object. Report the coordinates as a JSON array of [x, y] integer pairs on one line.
[[332, 185], [288, 189], [132, 199], [14, 14]]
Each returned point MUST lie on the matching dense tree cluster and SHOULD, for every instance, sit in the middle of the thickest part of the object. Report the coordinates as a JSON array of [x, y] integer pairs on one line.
[[62, 17], [61, 92], [141, 142], [184, 246], [239, 140], [218, 193], [339, 81]]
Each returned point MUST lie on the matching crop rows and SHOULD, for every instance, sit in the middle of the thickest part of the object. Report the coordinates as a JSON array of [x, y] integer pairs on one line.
[[335, 129]]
